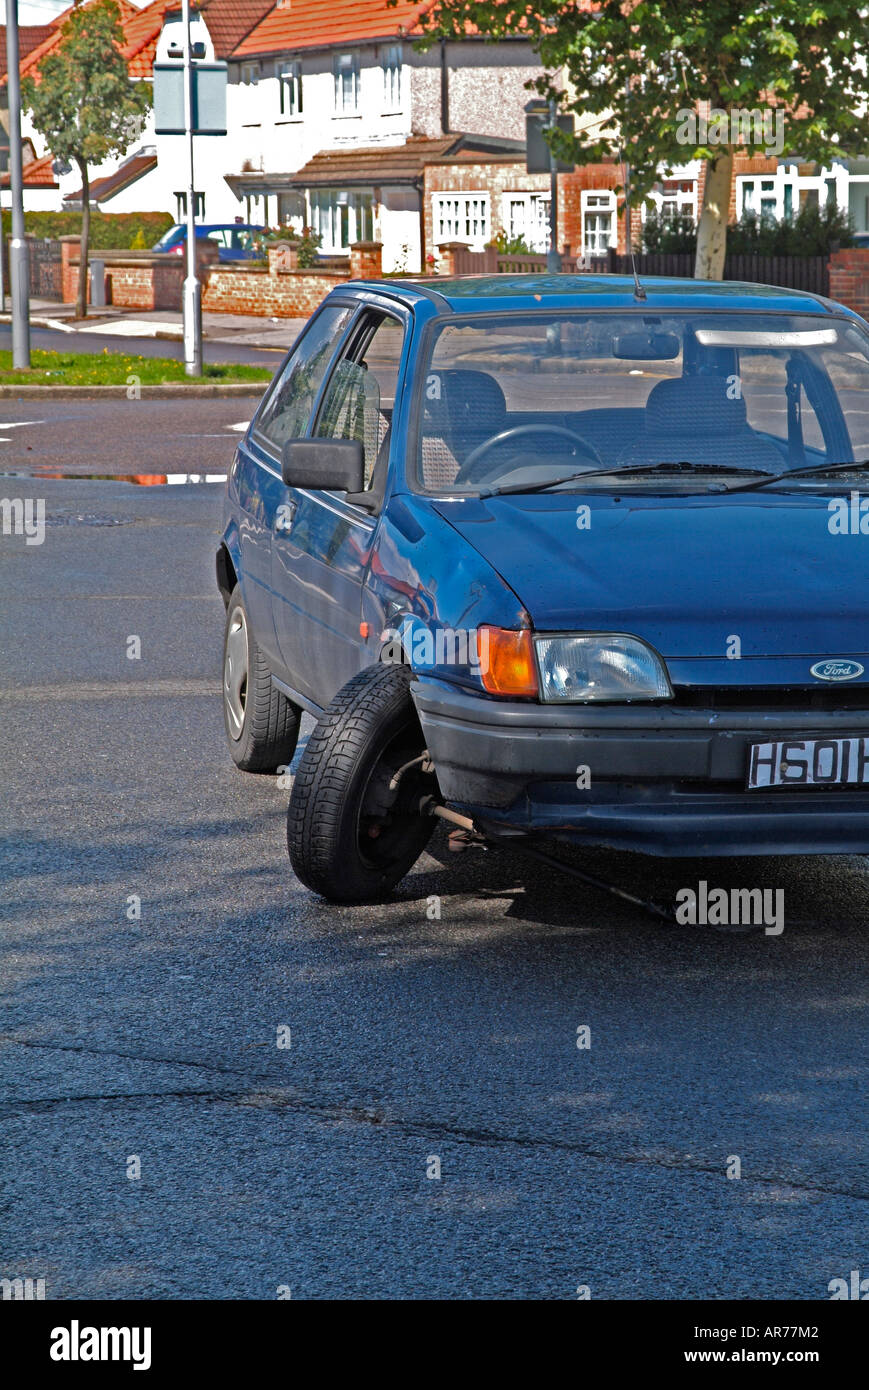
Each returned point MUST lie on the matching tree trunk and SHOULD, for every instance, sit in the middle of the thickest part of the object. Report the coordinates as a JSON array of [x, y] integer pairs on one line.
[[712, 230], [82, 307]]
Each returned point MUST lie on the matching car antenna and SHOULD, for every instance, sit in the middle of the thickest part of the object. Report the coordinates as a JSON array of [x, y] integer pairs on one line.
[[639, 292]]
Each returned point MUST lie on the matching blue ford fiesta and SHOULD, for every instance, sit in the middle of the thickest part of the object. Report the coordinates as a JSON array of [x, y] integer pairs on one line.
[[557, 556]]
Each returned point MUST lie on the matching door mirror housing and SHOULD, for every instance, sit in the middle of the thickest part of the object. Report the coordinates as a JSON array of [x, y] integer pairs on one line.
[[330, 465]]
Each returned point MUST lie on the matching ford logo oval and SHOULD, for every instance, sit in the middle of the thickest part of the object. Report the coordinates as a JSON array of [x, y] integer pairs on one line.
[[836, 670]]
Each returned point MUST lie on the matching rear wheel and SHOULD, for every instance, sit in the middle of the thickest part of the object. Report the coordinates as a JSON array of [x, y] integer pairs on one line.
[[262, 725], [351, 835]]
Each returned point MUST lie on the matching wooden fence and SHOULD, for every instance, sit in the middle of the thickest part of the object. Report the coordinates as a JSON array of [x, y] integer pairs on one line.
[[810, 273]]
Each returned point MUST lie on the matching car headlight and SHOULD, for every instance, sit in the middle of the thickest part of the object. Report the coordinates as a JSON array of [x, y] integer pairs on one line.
[[600, 666]]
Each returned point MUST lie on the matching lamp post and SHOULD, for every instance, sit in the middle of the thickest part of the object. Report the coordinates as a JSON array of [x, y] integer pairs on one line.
[[192, 287], [19, 269]]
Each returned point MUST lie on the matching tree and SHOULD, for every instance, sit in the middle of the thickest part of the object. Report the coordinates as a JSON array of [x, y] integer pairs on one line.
[[676, 82], [85, 104]]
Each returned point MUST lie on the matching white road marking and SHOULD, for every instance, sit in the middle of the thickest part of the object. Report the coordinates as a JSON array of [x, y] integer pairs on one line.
[[130, 328], [240, 427]]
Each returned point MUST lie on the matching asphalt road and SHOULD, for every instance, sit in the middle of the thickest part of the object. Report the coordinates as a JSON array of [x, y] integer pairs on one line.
[[412, 1038]]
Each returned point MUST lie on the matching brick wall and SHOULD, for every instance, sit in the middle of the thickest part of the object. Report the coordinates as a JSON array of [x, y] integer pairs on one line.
[[279, 290], [132, 281], [252, 290], [849, 279]]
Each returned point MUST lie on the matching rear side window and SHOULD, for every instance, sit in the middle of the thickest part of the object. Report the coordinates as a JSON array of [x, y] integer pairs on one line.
[[287, 411]]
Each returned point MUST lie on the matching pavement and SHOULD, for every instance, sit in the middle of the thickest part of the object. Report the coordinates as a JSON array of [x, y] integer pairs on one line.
[[225, 331], [433, 1129]]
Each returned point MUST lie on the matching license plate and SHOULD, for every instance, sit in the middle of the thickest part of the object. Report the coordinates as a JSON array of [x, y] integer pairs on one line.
[[809, 762]]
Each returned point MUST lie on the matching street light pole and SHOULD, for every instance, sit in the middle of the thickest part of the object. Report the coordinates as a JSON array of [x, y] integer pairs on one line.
[[553, 256], [192, 287], [19, 270]]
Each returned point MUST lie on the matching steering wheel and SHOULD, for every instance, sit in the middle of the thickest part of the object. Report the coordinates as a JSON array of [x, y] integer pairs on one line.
[[467, 471]]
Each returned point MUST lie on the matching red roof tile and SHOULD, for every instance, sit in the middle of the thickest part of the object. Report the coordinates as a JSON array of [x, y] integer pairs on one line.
[[297, 24], [141, 31], [37, 174], [29, 37], [230, 20]]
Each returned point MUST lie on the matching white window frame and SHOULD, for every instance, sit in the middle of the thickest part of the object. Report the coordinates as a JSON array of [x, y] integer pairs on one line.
[[290, 100], [393, 79], [679, 202], [751, 195], [594, 203], [249, 74], [534, 222], [343, 65], [326, 217], [462, 217]]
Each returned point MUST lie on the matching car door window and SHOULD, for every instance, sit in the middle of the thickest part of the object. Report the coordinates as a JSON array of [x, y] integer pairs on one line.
[[360, 398], [287, 410]]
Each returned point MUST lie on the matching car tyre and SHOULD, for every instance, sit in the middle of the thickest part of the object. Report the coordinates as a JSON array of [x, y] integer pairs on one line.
[[349, 837], [262, 725]]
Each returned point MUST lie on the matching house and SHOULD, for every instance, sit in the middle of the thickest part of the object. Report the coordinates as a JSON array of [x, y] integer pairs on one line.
[[337, 116], [338, 122]]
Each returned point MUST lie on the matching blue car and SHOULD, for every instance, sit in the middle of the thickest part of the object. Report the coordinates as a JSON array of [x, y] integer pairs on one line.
[[235, 241], [566, 557]]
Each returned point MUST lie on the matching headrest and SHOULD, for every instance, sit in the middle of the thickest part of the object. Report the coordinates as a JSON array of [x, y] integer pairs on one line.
[[684, 404], [460, 403]]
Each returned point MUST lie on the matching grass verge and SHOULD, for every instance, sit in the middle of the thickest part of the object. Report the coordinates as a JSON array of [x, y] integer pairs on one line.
[[116, 369]]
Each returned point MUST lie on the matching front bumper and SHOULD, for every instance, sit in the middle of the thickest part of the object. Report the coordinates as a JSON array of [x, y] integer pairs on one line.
[[662, 779]]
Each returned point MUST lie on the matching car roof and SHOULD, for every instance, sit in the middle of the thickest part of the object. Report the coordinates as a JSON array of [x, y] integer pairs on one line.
[[487, 293]]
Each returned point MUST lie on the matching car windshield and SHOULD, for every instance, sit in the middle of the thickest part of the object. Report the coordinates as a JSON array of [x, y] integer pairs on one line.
[[524, 401], [169, 238]]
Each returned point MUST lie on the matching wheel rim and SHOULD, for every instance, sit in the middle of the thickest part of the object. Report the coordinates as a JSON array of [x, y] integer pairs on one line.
[[383, 840], [235, 673]]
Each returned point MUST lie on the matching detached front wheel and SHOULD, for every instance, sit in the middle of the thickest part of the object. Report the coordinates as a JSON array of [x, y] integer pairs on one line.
[[354, 828]]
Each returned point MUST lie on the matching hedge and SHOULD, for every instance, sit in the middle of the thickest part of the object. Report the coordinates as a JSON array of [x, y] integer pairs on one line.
[[110, 231]]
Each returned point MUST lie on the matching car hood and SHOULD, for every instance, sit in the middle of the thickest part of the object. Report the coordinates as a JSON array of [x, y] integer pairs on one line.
[[685, 572]]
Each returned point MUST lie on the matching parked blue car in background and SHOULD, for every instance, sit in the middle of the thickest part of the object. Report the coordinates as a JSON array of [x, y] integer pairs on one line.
[[555, 556], [235, 241]]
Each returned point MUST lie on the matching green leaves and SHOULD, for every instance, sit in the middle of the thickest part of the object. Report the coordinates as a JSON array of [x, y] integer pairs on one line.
[[84, 102], [647, 61]]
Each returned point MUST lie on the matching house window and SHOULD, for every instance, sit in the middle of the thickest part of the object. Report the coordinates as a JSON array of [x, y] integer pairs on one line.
[[461, 217], [392, 78], [679, 199], [759, 196], [250, 74], [181, 206], [346, 72], [526, 215], [767, 198], [341, 218], [598, 222], [290, 87]]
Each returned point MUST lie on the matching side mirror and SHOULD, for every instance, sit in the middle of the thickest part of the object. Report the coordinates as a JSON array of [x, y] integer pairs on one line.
[[330, 465]]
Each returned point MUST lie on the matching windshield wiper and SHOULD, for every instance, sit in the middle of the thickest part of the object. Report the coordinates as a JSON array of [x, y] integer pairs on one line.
[[673, 466], [815, 469]]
